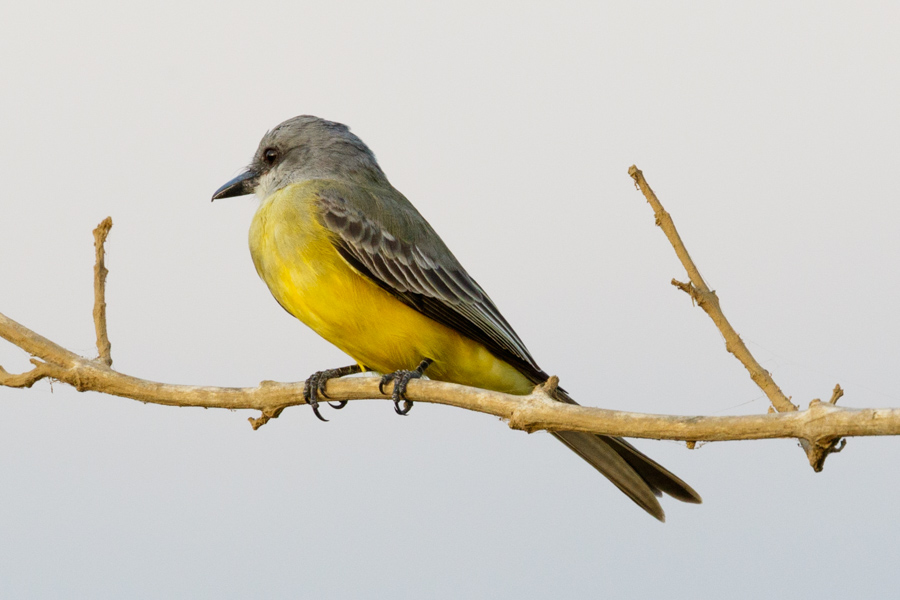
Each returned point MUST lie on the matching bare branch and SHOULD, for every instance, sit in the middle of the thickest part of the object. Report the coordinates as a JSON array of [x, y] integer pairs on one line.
[[709, 302], [822, 423], [836, 394], [27, 379], [100, 272], [34, 344], [819, 450]]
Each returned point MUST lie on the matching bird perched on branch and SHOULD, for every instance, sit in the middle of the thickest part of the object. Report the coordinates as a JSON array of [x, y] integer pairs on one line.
[[352, 258]]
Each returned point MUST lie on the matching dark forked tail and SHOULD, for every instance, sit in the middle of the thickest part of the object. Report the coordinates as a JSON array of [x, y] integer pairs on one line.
[[640, 477]]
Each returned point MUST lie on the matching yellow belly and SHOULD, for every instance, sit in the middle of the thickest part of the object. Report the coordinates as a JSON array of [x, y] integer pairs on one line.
[[294, 255]]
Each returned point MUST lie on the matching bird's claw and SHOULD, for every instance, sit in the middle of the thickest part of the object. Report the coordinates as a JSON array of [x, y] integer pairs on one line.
[[315, 387], [311, 390], [401, 379]]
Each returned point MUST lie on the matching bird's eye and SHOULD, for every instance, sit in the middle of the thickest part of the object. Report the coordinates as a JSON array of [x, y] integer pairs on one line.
[[270, 156]]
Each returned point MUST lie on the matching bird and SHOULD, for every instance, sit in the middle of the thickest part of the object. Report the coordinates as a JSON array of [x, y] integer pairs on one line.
[[347, 254]]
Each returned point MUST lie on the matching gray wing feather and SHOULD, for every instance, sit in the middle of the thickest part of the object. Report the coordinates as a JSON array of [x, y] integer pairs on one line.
[[412, 269]]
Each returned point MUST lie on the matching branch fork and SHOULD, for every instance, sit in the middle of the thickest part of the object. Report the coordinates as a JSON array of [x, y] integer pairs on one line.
[[28, 378], [525, 416]]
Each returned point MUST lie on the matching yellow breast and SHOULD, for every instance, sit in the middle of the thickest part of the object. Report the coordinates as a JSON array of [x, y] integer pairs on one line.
[[295, 255]]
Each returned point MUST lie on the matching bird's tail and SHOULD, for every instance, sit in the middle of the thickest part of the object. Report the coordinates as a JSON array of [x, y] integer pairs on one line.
[[640, 477]]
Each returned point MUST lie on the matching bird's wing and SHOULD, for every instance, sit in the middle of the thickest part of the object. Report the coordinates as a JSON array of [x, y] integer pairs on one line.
[[418, 269]]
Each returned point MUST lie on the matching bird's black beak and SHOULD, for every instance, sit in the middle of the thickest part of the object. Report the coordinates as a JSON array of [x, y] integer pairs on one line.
[[241, 185]]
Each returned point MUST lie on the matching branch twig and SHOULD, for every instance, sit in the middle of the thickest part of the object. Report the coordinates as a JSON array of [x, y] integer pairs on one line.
[[100, 272], [709, 302], [27, 379]]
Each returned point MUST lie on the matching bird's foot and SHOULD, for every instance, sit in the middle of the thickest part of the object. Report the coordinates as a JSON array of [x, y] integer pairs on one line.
[[315, 387], [401, 379]]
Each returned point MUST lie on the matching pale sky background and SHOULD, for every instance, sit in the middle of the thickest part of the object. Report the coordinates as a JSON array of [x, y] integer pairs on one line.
[[770, 132]]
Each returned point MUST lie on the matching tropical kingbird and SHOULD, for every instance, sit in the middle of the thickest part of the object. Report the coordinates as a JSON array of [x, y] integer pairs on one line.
[[351, 257]]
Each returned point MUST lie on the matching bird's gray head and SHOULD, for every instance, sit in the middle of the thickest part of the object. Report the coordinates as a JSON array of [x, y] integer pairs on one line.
[[303, 148]]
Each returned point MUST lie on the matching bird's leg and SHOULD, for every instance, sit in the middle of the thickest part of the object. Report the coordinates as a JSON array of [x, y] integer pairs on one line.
[[315, 387], [401, 379]]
